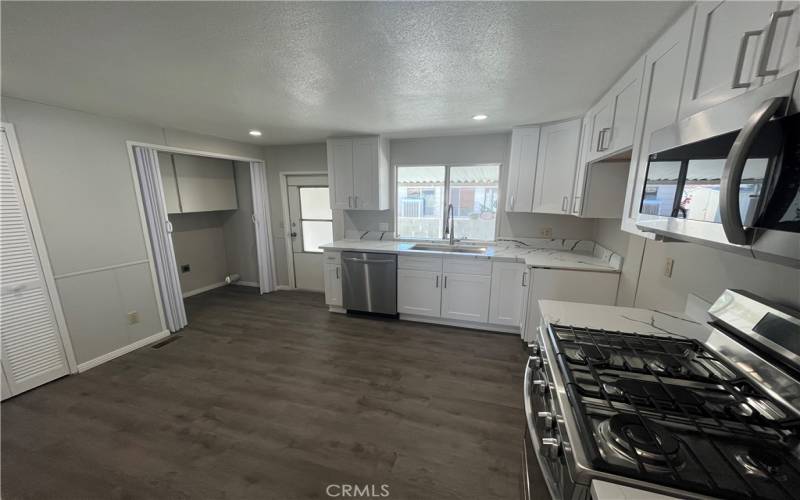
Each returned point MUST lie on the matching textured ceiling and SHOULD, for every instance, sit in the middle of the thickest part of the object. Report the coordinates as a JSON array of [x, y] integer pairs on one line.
[[303, 71]]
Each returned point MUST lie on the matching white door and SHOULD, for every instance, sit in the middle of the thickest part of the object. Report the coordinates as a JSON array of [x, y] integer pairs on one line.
[[783, 55], [522, 168], [509, 283], [310, 225], [340, 170], [419, 292], [658, 107], [466, 297], [601, 121], [365, 173], [333, 284], [726, 43], [32, 348], [555, 168]]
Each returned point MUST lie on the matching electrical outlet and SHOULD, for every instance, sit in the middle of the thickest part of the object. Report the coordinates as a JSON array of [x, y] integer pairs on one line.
[[133, 317], [668, 267], [383, 226], [185, 268], [546, 232]]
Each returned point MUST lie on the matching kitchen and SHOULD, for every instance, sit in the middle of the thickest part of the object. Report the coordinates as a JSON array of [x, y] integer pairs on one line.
[[641, 241]]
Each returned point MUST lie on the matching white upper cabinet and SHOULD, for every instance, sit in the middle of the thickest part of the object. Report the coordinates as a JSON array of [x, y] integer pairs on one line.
[[358, 169], [205, 184], [728, 47], [612, 120], [782, 55], [522, 169], [555, 168], [508, 293], [658, 107]]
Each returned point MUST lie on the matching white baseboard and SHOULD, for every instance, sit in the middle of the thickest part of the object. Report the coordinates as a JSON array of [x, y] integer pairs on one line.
[[82, 367], [203, 289], [283, 287], [461, 324], [337, 310]]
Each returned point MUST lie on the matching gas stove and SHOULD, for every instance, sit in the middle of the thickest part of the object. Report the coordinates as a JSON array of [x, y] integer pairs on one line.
[[667, 413]]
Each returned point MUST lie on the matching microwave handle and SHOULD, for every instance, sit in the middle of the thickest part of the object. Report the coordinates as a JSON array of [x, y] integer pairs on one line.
[[734, 167]]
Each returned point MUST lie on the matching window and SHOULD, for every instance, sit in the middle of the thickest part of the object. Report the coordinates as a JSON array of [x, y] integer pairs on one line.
[[316, 218], [423, 194]]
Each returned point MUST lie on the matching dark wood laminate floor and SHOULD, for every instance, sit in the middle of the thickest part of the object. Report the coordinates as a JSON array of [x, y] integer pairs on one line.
[[273, 397]]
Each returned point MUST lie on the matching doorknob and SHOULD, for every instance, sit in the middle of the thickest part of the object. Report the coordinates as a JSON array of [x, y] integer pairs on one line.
[[293, 234]]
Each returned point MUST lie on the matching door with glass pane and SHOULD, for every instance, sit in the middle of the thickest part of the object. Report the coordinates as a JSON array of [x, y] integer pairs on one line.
[[311, 225]]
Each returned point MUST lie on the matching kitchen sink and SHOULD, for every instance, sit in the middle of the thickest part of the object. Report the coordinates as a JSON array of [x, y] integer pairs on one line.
[[450, 248]]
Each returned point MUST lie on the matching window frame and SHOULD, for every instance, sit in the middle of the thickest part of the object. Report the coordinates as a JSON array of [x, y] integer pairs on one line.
[[446, 198]]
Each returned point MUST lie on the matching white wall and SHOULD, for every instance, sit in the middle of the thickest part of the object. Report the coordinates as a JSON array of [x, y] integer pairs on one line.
[[700, 270], [80, 176]]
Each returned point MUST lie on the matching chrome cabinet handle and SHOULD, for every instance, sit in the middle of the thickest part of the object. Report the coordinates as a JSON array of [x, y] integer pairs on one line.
[[564, 203], [513, 199], [524, 275], [349, 202], [437, 281], [575, 204], [737, 72], [609, 134], [734, 167], [769, 40], [445, 281], [355, 202], [337, 272], [600, 135]]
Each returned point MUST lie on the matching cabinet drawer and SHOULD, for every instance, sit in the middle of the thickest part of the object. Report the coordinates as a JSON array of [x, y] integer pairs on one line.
[[468, 265], [420, 263], [333, 257]]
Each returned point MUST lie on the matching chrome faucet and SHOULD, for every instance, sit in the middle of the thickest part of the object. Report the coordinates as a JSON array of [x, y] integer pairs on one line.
[[449, 225]]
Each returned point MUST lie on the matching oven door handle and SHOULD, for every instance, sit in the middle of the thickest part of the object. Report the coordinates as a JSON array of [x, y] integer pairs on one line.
[[527, 399], [734, 168]]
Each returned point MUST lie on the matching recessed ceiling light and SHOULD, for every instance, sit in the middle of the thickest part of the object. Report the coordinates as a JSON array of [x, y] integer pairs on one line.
[[255, 133], [480, 117]]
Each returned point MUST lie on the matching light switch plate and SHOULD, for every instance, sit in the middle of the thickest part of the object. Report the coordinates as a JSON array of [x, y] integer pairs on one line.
[[546, 232], [133, 317]]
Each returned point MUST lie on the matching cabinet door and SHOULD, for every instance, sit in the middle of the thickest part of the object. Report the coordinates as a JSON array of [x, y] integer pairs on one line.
[[555, 168], [590, 287], [782, 56], [466, 297], [578, 189], [365, 173], [419, 292], [509, 284], [723, 57], [205, 184], [658, 107], [340, 173], [169, 183], [626, 101], [522, 168], [601, 120], [333, 284]]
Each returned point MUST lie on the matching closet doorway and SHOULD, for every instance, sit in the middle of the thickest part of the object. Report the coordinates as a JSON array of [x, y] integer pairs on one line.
[[308, 222]]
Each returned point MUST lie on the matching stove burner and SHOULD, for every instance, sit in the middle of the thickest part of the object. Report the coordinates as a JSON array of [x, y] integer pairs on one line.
[[761, 463], [591, 354], [642, 441]]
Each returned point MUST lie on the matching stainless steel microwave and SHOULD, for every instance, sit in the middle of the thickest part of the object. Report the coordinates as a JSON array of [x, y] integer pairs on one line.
[[729, 177]]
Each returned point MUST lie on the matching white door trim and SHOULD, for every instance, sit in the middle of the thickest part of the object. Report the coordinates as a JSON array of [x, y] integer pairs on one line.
[[41, 247], [286, 222]]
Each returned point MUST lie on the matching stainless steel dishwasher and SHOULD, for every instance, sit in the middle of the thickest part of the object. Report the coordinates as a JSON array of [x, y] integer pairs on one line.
[[369, 282]]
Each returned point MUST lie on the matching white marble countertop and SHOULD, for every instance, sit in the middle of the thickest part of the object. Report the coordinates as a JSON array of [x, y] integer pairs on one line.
[[623, 319], [584, 259]]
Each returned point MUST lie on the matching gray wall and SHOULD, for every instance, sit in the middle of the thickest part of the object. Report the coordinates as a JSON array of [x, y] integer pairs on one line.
[[199, 241], [700, 270], [238, 231], [80, 176]]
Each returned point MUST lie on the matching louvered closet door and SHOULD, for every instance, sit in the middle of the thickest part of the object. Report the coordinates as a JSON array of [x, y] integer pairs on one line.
[[32, 352]]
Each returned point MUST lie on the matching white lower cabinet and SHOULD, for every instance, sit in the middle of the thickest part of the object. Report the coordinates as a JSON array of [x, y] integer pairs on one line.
[[419, 292], [332, 274], [509, 284], [591, 287], [466, 297]]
